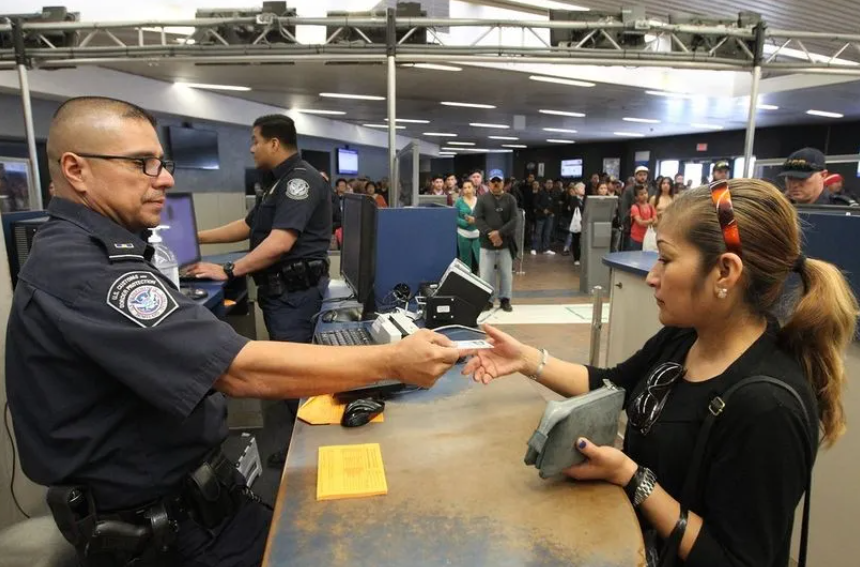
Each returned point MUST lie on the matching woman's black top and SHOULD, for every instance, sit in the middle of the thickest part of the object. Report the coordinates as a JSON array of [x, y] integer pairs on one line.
[[759, 455]]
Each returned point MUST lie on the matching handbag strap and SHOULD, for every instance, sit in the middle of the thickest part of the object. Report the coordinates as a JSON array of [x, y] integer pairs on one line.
[[715, 409]]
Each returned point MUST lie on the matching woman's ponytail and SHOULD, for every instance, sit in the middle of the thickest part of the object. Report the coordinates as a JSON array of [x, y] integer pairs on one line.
[[819, 331]]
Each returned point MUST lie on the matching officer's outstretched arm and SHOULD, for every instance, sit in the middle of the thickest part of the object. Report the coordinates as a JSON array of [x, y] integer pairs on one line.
[[236, 231], [278, 370]]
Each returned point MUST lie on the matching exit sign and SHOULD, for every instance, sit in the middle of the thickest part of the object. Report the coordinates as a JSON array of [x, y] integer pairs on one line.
[[701, 147]]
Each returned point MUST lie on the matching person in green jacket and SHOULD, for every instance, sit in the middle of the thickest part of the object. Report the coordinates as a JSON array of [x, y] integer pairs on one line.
[[467, 233]]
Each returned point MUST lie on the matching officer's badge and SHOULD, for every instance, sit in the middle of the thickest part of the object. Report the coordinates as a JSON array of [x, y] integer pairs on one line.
[[142, 298], [298, 189]]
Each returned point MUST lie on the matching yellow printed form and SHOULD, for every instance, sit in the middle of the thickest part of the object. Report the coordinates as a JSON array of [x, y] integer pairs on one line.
[[326, 410], [350, 471]]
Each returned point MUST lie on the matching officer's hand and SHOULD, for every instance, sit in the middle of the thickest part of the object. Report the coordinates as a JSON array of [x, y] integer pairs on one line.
[[207, 270], [423, 357]]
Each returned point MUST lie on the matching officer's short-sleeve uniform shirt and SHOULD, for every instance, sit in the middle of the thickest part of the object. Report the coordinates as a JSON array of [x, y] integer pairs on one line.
[[109, 367], [297, 198]]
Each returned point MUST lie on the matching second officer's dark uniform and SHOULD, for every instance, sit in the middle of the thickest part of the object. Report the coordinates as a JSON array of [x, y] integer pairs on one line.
[[110, 373], [290, 291]]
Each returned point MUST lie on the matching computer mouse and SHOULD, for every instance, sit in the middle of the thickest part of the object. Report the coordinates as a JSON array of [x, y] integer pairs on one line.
[[194, 292], [361, 411]]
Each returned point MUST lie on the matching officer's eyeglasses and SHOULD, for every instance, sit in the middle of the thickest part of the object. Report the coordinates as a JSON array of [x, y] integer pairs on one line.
[[151, 166], [645, 409]]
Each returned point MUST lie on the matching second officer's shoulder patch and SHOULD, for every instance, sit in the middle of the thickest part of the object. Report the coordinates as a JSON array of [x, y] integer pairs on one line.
[[142, 298], [298, 189]]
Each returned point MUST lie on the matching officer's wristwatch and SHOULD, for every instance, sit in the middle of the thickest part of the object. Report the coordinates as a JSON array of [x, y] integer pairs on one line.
[[228, 269]]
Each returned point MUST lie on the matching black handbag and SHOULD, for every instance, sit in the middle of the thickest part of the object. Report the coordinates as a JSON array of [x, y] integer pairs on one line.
[[669, 554]]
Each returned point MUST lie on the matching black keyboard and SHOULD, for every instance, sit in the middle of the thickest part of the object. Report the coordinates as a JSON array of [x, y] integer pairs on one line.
[[344, 337]]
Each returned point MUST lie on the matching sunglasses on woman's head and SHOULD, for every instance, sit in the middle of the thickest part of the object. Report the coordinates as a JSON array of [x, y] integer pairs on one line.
[[722, 200], [644, 410]]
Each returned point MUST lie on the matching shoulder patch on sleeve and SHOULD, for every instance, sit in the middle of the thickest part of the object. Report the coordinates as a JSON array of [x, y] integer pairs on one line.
[[142, 298], [298, 189]]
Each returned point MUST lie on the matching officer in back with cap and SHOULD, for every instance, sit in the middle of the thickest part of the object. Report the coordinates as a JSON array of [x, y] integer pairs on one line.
[[117, 381], [804, 172], [722, 169]]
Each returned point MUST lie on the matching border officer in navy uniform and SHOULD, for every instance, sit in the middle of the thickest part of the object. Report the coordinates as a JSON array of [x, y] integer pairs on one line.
[[804, 172], [290, 228], [290, 231], [722, 169], [116, 380]]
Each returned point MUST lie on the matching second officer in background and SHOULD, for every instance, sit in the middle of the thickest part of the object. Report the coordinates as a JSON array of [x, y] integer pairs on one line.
[[290, 230]]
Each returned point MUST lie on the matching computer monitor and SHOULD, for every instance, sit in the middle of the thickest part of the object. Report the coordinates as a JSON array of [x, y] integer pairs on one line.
[[358, 252], [181, 237], [432, 200]]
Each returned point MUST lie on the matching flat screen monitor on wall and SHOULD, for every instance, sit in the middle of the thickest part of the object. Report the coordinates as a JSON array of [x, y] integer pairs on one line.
[[347, 162], [192, 148], [571, 168]]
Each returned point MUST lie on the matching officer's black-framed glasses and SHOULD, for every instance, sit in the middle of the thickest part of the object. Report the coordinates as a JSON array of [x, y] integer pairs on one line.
[[151, 166]]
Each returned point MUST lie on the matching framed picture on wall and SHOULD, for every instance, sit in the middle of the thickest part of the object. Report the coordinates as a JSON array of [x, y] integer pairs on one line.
[[612, 166], [15, 184]]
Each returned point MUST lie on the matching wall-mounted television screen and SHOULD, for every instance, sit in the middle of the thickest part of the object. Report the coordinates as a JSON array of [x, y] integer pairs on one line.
[[571, 168], [192, 148], [347, 162]]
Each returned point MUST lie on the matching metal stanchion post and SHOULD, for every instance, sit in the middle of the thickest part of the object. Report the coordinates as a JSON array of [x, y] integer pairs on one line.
[[521, 237], [596, 325]]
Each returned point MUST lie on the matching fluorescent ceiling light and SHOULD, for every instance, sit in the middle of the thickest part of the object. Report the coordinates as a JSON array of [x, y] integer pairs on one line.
[[447, 153], [762, 106], [503, 138], [214, 87], [557, 141], [563, 113], [706, 126], [562, 130], [560, 81], [447, 149], [352, 96], [383, 126], [476, 149], [315, 111], [642, 120], [668, 94], [514, 146], [461, 143], [825, 114], [441, 134], [485, 125], [550, 5], [433, 66], [500, 151], [468, 104], [410, 121], [629, 134]]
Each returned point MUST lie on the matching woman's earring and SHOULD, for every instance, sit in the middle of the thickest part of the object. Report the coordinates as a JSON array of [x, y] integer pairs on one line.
[[722, 293]]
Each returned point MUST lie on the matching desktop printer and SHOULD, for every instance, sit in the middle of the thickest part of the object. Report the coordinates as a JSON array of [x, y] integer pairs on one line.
[[459, 298]]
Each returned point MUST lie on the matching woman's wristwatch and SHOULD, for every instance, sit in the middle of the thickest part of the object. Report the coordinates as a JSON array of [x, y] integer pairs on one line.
[[640, 486]]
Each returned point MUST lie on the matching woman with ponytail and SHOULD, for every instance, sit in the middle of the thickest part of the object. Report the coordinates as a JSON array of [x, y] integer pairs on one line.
[[730, 254]]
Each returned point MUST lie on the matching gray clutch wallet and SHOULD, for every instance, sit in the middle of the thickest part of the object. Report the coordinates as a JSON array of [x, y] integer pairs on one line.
[[593, 415]]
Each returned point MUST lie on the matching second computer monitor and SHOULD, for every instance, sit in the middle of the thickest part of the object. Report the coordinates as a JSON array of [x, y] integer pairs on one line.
[[181, 237], [358, 252]]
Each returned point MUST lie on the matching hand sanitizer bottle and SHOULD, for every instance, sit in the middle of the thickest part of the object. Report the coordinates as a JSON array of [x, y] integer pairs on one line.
[[164, 259]]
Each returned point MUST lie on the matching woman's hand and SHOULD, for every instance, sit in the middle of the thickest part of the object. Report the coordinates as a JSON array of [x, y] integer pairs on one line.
[[470, 219], [507, 356], [604, 463]]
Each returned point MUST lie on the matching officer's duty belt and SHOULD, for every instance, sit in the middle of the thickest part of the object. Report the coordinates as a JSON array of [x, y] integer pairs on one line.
[[208, 496], [292, 276]]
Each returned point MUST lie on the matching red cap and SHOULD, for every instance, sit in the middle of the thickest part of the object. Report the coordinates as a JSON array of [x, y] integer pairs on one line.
[[832, 178]]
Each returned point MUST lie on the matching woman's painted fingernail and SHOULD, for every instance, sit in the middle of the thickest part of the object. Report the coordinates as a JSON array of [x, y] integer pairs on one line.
[[582, 443]]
